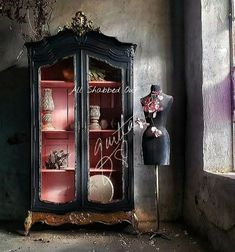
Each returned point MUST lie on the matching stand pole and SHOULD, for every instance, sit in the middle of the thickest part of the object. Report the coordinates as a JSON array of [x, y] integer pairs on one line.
[[157, 201], [157, 196]]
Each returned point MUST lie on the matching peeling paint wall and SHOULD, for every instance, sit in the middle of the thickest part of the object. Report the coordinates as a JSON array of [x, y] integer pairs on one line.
[[146, 23], [209, 204]]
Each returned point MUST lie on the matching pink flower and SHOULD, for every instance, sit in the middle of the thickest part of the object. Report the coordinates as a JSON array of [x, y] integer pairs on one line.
[[156, 131]]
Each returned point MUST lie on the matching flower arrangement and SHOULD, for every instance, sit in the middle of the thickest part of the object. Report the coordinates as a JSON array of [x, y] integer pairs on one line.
[[57, 160], [152, 104]]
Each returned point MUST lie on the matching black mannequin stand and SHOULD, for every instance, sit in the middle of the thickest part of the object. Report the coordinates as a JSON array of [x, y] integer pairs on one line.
[[156, 140]]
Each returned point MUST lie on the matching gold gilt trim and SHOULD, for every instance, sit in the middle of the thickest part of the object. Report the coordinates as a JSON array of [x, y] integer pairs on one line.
[[80, 24], [79, 218]]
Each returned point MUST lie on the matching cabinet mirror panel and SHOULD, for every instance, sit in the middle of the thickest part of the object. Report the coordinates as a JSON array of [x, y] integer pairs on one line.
[[105, 120], [57, 132]]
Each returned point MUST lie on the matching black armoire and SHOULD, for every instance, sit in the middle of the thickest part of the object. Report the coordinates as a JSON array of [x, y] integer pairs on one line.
[[81, 129]]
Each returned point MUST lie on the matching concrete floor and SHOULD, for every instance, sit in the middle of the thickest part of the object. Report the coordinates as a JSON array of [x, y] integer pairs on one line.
[[98, 238]]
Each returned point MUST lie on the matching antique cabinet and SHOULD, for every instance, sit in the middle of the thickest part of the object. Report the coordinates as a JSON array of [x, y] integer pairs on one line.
[[81, 129]]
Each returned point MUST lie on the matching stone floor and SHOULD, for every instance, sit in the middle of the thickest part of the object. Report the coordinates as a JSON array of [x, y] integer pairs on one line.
[[98, 238]]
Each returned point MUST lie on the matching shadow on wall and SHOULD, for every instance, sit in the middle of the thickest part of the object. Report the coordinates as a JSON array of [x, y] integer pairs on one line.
[[14, 143]]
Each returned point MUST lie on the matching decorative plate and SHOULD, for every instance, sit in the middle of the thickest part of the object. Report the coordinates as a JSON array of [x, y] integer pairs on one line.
[[100, 189]]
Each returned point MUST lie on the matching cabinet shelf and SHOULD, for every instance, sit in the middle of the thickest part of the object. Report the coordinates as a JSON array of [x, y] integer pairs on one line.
[[58, 170], [56, 84], [102, 170], [111, 84], [72, 131], [57, 131], [73, 169], [103, 131], [70, 84]]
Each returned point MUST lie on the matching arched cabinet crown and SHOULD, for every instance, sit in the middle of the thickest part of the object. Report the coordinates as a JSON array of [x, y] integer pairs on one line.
[[49, 49]]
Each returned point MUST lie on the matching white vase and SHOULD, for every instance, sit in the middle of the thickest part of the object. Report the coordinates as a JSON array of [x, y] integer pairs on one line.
[[47, 106]]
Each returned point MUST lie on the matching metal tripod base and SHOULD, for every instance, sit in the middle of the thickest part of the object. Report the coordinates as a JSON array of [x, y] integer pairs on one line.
[[160, 235]]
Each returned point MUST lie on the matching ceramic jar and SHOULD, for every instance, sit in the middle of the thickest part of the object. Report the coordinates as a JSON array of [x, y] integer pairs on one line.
[[47, 106], [104, 124]]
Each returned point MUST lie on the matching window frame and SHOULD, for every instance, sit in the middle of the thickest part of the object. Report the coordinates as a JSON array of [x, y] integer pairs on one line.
[[232, 72]]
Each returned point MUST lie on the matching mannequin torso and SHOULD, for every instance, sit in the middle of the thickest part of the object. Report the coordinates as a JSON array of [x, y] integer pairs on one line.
[[156, 147]]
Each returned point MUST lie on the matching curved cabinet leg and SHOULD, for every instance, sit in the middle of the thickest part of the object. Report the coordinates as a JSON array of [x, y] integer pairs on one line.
[[134, 222], [80, 218], [28, 222]]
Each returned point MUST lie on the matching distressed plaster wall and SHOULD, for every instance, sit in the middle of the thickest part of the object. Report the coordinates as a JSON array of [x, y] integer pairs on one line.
[[217, 140], [146, 23], [209, 204]]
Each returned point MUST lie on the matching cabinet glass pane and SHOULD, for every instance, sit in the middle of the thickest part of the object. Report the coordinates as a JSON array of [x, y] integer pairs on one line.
[[57, 134], [106, 162]]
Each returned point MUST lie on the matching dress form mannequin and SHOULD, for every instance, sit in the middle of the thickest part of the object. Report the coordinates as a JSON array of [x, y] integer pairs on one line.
[[156, 141], [156, 150]]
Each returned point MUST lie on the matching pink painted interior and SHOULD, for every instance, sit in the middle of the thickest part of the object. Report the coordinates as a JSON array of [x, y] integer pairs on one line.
[[58, 187], [113, 169], [114, 164], [55, 72], [63, 114], [62, 141], [110, 108], [107, 101], [56, 84]]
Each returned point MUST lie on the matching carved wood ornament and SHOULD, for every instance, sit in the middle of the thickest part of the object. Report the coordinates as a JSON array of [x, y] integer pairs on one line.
[[80, 24], [79, 218]]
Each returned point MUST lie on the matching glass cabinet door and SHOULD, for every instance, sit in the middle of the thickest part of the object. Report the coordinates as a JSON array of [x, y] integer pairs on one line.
[[81, 123], [106, 145], [57, 148]]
